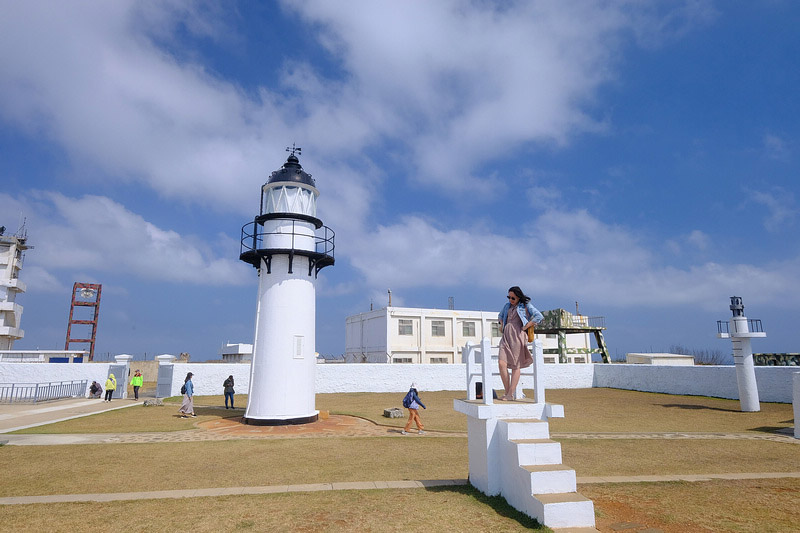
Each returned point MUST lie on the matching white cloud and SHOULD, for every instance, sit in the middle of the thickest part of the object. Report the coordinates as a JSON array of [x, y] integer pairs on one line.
[[95, 234], [698, 239], [780, 204], [776, 147], [453, 87], [564, 254], [37, 279]]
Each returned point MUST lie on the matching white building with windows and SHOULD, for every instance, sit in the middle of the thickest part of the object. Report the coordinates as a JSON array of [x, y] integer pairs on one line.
[[413, 335]]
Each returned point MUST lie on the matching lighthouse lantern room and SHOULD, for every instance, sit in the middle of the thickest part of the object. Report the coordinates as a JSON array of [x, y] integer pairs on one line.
[[288, 245]]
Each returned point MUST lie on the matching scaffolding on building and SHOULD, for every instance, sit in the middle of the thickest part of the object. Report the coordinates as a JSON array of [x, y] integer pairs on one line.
[[562, 323]]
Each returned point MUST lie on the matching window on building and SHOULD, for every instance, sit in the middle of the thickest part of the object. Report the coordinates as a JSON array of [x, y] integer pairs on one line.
[[405, 327], [406, 360], [437, 328], [440, 360], [495, 329], [468, 329]]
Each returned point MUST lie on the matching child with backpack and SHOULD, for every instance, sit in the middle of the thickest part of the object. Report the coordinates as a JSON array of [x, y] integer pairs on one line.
[[412, 402]]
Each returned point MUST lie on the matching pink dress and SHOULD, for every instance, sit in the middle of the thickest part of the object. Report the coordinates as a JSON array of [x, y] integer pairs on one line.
[[514, 344]]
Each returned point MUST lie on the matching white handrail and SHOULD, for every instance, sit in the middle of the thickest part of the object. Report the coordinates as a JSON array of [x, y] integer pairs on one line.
[[474, 357]]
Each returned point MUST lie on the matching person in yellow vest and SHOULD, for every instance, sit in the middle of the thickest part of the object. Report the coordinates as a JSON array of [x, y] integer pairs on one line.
[[111, 386], [136, 381]]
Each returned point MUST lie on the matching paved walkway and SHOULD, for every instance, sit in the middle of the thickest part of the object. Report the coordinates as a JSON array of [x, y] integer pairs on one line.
[[27, 415], [354, 485]]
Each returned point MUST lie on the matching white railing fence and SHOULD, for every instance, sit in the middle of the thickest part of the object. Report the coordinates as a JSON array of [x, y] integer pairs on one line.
[[482, 369], [41, 392]]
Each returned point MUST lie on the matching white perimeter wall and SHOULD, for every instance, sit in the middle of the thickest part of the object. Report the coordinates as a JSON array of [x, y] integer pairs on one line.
[[774, 383], [48, 372]]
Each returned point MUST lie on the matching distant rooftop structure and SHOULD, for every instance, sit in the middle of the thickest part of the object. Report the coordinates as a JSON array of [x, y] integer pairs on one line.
[[236, 352]]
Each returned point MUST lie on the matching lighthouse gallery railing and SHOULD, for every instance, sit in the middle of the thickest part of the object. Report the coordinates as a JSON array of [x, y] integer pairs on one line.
[[252, 239]]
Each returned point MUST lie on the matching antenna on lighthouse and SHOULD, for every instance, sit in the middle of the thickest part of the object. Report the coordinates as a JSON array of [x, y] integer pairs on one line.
[[294, 149]]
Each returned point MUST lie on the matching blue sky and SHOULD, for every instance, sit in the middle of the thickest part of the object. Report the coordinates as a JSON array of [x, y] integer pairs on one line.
[[641, 158]]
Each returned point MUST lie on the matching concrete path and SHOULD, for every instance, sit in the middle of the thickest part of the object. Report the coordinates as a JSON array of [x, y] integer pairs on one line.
[[672, 435], [22, 416], [355, 427], [353, 485], [227, 491]]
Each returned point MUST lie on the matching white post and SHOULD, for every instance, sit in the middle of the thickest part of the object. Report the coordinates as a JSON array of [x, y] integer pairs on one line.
[[796, 403], [486, 359], [469, 359], [122, 382], [538, 371]]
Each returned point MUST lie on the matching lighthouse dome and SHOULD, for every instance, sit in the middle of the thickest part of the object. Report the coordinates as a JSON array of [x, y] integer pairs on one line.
[[292, 172]]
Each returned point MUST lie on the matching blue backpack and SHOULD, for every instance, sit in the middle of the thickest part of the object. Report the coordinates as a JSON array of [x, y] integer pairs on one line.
[[409, 397]]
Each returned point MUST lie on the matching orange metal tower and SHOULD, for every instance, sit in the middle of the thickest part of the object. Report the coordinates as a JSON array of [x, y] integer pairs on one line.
[[84, 295]]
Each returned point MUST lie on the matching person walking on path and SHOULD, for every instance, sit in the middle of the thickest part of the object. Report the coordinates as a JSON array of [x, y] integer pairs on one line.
[[516, 317], [136, 381], [227, 387], [413, 403], [187, 407], [111, 386]]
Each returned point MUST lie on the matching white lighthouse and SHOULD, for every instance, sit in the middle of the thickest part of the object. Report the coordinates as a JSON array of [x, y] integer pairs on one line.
[[740, 331], [288, 245]]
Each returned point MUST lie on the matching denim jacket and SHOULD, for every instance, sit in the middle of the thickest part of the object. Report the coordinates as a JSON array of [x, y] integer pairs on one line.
[[415, 398], [536, 316]]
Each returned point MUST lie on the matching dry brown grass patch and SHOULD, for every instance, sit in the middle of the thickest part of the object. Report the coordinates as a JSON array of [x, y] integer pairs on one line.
[[453, 509], [628, 457], [89, 468], [763, 505], [614, 410]]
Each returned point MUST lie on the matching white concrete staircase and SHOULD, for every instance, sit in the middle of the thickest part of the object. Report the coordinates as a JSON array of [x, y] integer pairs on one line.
[[535, 481]]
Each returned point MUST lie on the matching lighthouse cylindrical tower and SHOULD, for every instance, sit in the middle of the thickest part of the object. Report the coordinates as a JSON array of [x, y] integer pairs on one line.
[[740, 331], [288, 245]]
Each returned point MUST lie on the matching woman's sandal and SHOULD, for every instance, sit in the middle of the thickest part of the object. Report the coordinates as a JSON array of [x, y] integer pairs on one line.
[[507, 398]]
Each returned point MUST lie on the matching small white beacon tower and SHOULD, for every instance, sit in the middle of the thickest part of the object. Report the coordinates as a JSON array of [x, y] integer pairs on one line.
[[740, 331], [288, 245]]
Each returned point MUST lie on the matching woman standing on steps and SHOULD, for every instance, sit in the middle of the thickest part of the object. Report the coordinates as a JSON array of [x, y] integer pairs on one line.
[[517, 316]]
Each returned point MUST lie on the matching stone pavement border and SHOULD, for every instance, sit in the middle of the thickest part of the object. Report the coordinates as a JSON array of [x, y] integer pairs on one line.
[[686, 477], [355, 485], [227, 491]]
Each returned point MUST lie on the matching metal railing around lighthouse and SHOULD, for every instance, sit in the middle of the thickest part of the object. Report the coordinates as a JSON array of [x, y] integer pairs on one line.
[[753, 325], [294, 242]]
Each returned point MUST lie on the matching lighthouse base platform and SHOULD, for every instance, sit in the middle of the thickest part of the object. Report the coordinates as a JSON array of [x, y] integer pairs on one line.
[[281, 421]]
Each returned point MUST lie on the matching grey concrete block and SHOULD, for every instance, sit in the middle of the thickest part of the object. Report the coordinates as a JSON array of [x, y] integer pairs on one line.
[[393, 412]]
